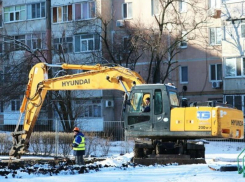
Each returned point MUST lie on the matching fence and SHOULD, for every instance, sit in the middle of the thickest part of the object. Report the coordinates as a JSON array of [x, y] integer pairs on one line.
[[41, 125], [114, 128], [48, 137], [51, 140]]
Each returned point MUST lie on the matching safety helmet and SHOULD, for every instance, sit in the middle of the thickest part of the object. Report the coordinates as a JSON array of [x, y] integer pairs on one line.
[[76, 129]]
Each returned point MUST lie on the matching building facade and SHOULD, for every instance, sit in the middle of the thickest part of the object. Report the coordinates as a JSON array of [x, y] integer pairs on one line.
[[233, 26], [197, 72], [65, 32], [204, 41]]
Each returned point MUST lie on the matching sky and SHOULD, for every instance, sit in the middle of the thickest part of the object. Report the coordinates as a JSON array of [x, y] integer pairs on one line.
[[217, 154]]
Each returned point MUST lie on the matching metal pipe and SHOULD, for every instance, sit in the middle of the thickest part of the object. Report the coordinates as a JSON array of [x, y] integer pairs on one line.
[[54, 65], [17, 126], [120, 81]]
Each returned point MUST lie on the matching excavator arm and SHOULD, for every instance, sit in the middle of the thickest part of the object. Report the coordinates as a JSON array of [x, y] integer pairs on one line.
[[95, 78]]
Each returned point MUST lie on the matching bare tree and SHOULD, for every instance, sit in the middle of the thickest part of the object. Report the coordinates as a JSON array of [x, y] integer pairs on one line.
[[64, 102], [118, 47], [16, 59], [14, 77], [160, 41], [164, 38]]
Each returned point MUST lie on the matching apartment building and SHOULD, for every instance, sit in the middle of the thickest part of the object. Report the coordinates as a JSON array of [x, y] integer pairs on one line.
[[233, 25], [208, 60], [22, 22], [56, 28], [76, 31], [198, 74], [200, 71]]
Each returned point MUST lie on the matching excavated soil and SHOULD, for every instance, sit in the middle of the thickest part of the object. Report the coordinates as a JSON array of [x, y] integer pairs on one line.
[[50, 168]]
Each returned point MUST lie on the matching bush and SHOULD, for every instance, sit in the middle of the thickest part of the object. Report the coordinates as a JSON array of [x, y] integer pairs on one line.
[[35, 143], [44, 143], [48, 143], [91, 143], [65, 140], [52, 143], [6, 143], [98, 142]]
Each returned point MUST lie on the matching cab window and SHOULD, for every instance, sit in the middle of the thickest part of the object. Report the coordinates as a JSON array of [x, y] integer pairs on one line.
[[174, 101], [158, 105], [138, 101]]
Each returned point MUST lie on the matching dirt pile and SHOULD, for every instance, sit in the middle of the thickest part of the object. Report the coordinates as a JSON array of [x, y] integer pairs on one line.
[[17, 170]]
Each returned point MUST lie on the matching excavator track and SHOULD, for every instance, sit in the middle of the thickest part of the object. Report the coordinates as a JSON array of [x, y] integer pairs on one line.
[[162, 152], [168, 159]]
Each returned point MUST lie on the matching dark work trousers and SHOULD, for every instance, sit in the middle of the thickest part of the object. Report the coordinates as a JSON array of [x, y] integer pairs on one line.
[[79, 160]]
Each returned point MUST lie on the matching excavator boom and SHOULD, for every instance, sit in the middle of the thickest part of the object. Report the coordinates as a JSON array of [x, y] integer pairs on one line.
[[96, 77]]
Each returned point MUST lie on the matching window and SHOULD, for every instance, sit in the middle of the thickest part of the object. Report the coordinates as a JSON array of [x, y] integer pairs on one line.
[[62, 14], [36, 10], [7, 75], [1, 76], [1, 20], [243, 30], [19, 42], [183, 74], [14, 13], [1, 106], [1, 16], [216, 72], [90, 108], [66, 42], [139, 101], [127, 44], [140, 104], [182, 6], [87, 42], [8, 44], [229, 1], [183, 42], [214, 3], [215, 36], [10, 75], [36, 41], [174, 100], [234, 67], [127, 10], [154, 7], [85, 10], [1, 45], [13, 43], [15, 105], [158, 105], [236, 101]]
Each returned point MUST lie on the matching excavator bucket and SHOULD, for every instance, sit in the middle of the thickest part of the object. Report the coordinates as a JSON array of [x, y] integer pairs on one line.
[[18, 147]]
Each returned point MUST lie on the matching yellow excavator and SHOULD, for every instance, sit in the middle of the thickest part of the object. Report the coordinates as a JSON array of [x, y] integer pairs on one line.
[[167, 131]]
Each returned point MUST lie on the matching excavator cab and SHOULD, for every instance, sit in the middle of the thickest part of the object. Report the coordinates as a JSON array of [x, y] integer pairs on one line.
[[141, 123]]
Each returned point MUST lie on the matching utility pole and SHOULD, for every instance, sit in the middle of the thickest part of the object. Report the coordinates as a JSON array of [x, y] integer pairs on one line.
[[49, 60], [48, 31]]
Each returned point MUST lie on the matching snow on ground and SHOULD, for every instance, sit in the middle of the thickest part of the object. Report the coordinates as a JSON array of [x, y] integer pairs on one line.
[[217, 154]]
